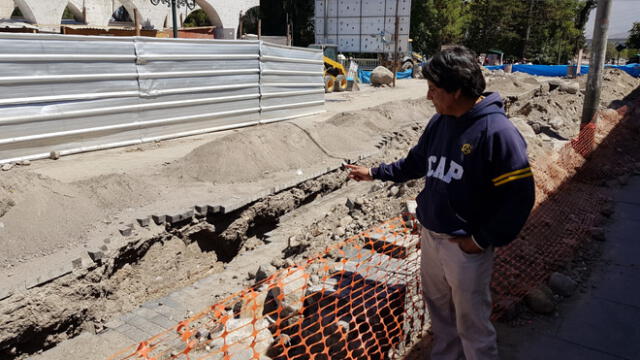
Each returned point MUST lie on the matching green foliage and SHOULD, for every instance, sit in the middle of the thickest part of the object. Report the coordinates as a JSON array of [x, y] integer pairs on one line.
[[16, 13], [545, 31], [250, 20], [299, 13], [437, 22], [197, 18], [67, 14], [634, 36], [121, 15], [497, 25]]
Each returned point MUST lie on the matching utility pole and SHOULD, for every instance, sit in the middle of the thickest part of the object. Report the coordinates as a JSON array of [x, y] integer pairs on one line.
[[397, 38], [596, 63], [174, 17]]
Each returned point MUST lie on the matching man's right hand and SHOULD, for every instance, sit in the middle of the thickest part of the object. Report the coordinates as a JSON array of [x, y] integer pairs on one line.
[[359, 173]]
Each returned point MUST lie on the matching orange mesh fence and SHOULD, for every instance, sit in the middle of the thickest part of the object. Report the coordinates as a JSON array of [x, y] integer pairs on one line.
[[361, 298], [565, 215]]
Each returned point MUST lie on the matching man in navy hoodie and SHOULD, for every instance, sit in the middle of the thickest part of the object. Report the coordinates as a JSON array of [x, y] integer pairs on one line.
[[478, 194]]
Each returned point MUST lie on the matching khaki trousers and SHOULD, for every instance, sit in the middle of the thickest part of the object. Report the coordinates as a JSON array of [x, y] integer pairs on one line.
[[456, 289]]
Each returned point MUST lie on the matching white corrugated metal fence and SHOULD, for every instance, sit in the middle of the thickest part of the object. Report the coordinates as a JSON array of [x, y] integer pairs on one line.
[[78, 93]]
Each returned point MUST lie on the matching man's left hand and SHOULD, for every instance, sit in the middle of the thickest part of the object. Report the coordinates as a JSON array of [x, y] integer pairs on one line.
[[467, 244]]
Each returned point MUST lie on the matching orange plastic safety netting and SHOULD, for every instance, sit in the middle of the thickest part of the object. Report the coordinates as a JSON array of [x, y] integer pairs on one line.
[[361, 298], [567, 212]]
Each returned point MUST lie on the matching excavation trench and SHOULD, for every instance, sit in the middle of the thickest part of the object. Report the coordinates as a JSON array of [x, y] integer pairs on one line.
[[144, 269], [147, 268]]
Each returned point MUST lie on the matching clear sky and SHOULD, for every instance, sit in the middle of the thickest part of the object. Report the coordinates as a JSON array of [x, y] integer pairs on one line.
[[623, 14]]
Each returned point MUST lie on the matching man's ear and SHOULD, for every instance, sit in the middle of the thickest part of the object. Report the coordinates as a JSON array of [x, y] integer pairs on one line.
[[458, 94]]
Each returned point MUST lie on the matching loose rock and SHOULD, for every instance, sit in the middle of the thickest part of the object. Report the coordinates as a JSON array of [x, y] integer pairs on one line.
[[346, 221], [562, 284], [381, 76], [571, 88], [539, 300], [264, 271]]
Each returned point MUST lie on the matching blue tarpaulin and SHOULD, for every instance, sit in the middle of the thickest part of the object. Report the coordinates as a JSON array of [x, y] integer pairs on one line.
[[561, 70], [365, 76]]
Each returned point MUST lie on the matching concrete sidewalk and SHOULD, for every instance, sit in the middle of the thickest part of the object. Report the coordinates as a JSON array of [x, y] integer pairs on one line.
[[604, 322]]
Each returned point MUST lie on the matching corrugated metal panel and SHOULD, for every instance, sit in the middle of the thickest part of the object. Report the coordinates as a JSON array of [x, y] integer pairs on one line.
[[291, 83], [37, 117], [78, 93]]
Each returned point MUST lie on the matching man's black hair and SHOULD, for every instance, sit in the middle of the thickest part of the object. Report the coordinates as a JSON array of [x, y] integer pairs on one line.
[[454, 68]]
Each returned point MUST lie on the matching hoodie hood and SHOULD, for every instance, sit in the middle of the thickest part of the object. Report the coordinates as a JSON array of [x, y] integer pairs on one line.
[[491, 104]]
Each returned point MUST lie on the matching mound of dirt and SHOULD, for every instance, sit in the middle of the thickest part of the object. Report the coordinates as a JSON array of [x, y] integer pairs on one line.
[[289, 146], [556, 114], [118, 191], [249, 155], [616, 85], [511, 84], [33, 207]]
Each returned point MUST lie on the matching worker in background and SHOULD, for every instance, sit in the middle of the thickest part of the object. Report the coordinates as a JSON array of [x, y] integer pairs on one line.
[[478, 193]]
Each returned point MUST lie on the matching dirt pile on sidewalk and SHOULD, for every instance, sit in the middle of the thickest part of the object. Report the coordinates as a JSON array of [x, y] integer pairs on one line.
[[254, 153], [40, 215], [616, 85]]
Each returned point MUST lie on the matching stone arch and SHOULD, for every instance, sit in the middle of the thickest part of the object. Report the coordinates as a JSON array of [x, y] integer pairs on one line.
[[76, 11], [211, 12], [27, 12], [6, 9]]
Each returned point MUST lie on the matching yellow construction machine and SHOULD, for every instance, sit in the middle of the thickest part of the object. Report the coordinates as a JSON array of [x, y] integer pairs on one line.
[[335, 76]]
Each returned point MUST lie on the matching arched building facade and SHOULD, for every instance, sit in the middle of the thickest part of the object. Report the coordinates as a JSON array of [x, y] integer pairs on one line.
[[47, 15]]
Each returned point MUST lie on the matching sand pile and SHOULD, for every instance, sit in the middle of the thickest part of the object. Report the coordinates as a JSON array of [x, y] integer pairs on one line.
[[39, 215], [555, 114], [249, 155], [616, 85], [253, 153], [510, 84]]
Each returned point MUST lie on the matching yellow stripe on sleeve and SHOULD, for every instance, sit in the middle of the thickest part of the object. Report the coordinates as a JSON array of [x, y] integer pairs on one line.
[[512, 173], [512, 178]]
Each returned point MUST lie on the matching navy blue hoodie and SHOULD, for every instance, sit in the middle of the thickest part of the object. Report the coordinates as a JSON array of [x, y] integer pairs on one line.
[[478, 180]]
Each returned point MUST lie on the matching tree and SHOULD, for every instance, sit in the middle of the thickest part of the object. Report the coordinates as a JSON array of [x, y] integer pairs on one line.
[[121, 15], [69, 15], [299, 13], [250, 20], [584, 9], [545, 31], [16, 13], [437, 22], [499, 25], [197, 18], [634, 36]]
